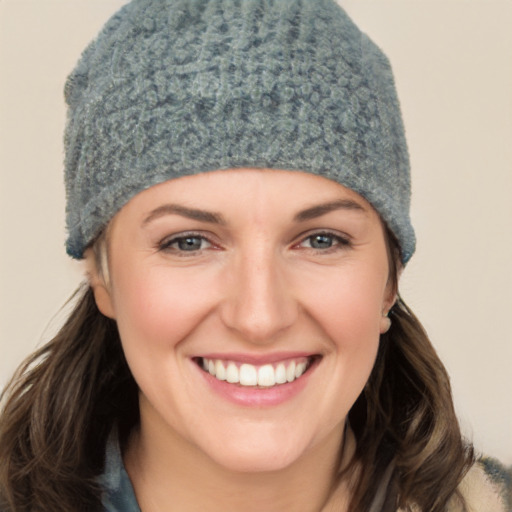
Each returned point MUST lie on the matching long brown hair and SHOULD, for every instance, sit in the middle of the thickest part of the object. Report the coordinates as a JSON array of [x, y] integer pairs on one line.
[[405, 418], [405, 421], [58, 411], [65, 399]]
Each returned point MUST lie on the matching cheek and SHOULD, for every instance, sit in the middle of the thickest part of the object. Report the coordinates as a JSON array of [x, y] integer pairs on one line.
[[348, 311], [351, 318], [158, 307], [349, 307]]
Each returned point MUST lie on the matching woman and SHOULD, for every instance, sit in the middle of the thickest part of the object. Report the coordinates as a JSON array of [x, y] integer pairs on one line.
[[238, 184]]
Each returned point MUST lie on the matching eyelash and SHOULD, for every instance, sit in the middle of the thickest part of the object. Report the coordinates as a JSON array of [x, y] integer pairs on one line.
[[338, 242], [166, 244]]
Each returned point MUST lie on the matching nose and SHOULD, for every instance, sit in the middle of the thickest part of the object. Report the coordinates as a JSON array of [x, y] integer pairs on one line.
[[259, 302]]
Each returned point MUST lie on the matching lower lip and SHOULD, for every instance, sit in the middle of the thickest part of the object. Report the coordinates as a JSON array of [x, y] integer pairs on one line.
[[258, 397]]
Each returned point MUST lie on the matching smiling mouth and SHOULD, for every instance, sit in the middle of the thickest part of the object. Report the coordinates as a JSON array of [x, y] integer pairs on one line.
[[257, 376]]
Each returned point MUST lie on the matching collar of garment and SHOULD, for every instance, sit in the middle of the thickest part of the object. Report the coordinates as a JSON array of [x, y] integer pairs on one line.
[[118, 494], [486, 486]]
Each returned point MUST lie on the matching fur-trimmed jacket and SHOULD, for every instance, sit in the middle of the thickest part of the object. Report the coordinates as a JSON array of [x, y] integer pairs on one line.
[[488, 487]]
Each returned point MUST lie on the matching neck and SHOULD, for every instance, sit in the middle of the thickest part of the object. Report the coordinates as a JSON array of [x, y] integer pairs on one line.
[[169, 474]]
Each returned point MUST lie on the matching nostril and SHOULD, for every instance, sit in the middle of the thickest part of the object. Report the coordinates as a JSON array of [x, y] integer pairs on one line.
[[260, 323]]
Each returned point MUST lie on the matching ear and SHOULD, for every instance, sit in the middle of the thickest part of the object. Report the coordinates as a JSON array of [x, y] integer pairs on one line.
[[385, 321], [390, 297], [101, 290]]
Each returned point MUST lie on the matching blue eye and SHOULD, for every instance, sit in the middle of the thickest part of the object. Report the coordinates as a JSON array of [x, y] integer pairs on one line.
[[325, 241], [189, 243], [186, 243], [321, 241]]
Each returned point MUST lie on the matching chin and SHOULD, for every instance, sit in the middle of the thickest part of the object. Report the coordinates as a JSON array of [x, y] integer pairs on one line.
[[258, 453], [256, 460]]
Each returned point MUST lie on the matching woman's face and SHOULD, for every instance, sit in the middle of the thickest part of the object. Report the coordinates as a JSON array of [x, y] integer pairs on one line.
[[249, 304]]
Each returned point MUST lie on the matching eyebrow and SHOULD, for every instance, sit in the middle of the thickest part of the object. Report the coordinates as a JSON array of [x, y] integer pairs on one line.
[[216, 218], [189, 213], [322, 209]]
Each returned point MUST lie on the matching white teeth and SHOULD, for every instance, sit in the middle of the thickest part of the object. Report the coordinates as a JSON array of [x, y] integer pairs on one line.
[[232, 373], [300, 369], [280, 373], [290, 372], [266, 376], [248, 375], [220, 371], [245, 374]]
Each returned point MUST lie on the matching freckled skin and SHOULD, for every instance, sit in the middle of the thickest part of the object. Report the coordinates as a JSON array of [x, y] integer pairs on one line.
[[259, 283]]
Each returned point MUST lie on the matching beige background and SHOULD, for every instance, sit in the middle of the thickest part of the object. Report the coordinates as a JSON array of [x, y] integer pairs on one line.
[[453, 67]]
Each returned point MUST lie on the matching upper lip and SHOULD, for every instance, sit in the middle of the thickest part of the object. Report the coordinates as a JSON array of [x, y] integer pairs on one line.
[[257, 359]]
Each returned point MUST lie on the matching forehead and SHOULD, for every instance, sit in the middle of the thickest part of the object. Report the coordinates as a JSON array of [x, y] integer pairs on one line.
[[248, 188]]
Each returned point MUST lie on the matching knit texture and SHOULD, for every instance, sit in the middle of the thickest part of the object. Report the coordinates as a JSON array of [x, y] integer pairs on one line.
[[177, 87]]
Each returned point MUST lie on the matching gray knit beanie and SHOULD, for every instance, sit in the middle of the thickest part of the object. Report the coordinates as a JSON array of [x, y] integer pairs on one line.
[[177, 87]]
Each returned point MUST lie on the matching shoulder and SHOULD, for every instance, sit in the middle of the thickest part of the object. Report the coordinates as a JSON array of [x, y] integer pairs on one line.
[[487, 487]]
